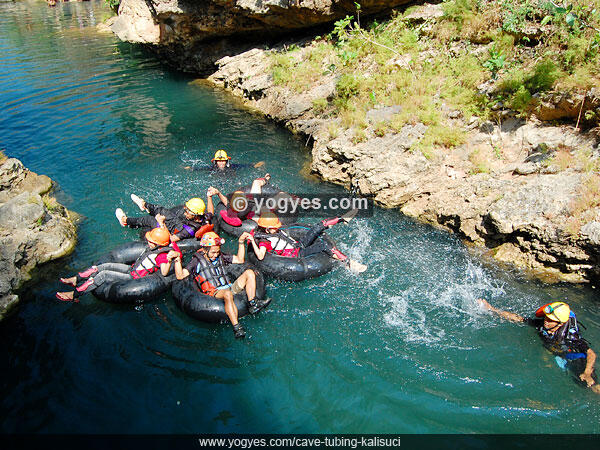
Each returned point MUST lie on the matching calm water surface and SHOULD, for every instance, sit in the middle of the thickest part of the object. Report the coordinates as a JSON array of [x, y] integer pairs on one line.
[[402, 348]]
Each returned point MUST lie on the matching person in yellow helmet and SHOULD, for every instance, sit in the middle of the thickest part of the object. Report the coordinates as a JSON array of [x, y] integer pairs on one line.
[[557, 326], [207, 267], [157, 257], [182, 221], [221, 162]]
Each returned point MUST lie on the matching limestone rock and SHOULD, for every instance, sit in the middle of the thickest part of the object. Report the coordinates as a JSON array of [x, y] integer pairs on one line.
[[591, 231], [194, 34], [33, 229], [425, 13], [517, 206]]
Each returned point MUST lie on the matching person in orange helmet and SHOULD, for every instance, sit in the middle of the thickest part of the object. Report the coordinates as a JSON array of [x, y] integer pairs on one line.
[[275, 240], [208, 270], [557, 326], [158, 256]]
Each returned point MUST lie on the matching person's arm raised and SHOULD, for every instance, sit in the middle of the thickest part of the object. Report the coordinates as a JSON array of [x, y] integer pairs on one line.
[[504, 314], [180, 271], [586, 375], [241, 254]]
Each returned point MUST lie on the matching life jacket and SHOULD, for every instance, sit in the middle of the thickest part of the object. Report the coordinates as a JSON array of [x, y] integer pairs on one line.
[[191, 226], [182, 226], [281, 242], [565, 339], [209, 276], [146, 262]]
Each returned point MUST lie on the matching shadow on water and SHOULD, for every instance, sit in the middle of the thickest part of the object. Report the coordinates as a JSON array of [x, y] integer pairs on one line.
[[402, 348]]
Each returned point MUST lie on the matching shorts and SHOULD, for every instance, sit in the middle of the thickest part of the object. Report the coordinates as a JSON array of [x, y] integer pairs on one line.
[[235, 288]]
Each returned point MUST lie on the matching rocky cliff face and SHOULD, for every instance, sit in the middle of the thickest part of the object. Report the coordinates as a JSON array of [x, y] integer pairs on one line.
[[34, 228], [521, 189], [193, 34], [517, 207]]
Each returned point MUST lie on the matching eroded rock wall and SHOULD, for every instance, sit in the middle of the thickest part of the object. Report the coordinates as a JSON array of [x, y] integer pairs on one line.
[[517, 208], [193, 34], [34, 228]]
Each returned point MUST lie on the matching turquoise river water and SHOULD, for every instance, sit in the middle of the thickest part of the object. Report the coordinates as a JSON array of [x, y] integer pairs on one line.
[[403, 348]]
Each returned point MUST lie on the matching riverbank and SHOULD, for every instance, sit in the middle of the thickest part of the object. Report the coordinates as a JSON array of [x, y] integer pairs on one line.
[[510, 187], [443, 111], [34, 228]]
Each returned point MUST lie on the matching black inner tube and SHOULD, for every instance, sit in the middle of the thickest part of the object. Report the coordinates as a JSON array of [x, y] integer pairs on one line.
[[298, 268], [141, 289], [202, 307]]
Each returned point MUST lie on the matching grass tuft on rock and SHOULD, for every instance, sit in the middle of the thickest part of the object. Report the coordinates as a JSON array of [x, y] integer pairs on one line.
[[479, 56]]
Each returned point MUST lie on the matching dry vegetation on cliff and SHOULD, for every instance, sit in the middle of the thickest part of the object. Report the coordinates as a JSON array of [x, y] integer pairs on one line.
[[479, 58]]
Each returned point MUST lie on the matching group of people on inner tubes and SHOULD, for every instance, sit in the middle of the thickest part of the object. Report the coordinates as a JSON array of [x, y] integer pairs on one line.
[[215, 286]]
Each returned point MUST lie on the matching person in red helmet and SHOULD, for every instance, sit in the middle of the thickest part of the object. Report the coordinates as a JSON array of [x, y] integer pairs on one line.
[[208, 269], [557, 326], [158, 256]]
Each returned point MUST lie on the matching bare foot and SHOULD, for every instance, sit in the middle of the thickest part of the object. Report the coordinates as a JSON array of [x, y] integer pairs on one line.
[[71, 281], [65, 296]]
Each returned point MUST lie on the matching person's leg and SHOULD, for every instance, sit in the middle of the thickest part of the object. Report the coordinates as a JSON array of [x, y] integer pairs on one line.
[[105, 276], [92, 283], [231, 310], [78, 278], [316, 247], [153, 209], [246, 280], [141, 222], [312, 234]]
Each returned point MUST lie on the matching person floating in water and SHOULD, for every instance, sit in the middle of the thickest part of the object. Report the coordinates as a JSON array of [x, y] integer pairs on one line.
[[557, 326], [183, 221], [207, 267], [221, 162], [270, 238], [230, 215], [158, 256]]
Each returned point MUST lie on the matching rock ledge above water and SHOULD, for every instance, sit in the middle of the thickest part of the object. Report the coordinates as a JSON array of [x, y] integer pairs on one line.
[[34, 228]]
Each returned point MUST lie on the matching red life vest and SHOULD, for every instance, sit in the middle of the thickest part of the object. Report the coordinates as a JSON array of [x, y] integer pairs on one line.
[[279, 243], [146, 262], [209, 276]]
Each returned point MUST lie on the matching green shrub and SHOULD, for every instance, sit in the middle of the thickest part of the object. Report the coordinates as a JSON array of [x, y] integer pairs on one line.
[[113, 4], [319, 105], [347, 86], [282, 68], [543, 77], [521, 99]]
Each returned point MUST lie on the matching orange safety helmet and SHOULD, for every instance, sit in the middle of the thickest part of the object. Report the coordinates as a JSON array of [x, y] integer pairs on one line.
[[269, 220], [211, 238], [159, 236]]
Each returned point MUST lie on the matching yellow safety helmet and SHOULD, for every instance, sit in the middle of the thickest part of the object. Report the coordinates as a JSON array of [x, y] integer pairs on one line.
[[221, 155], [269, 220], [196, 205], [557, 311]]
